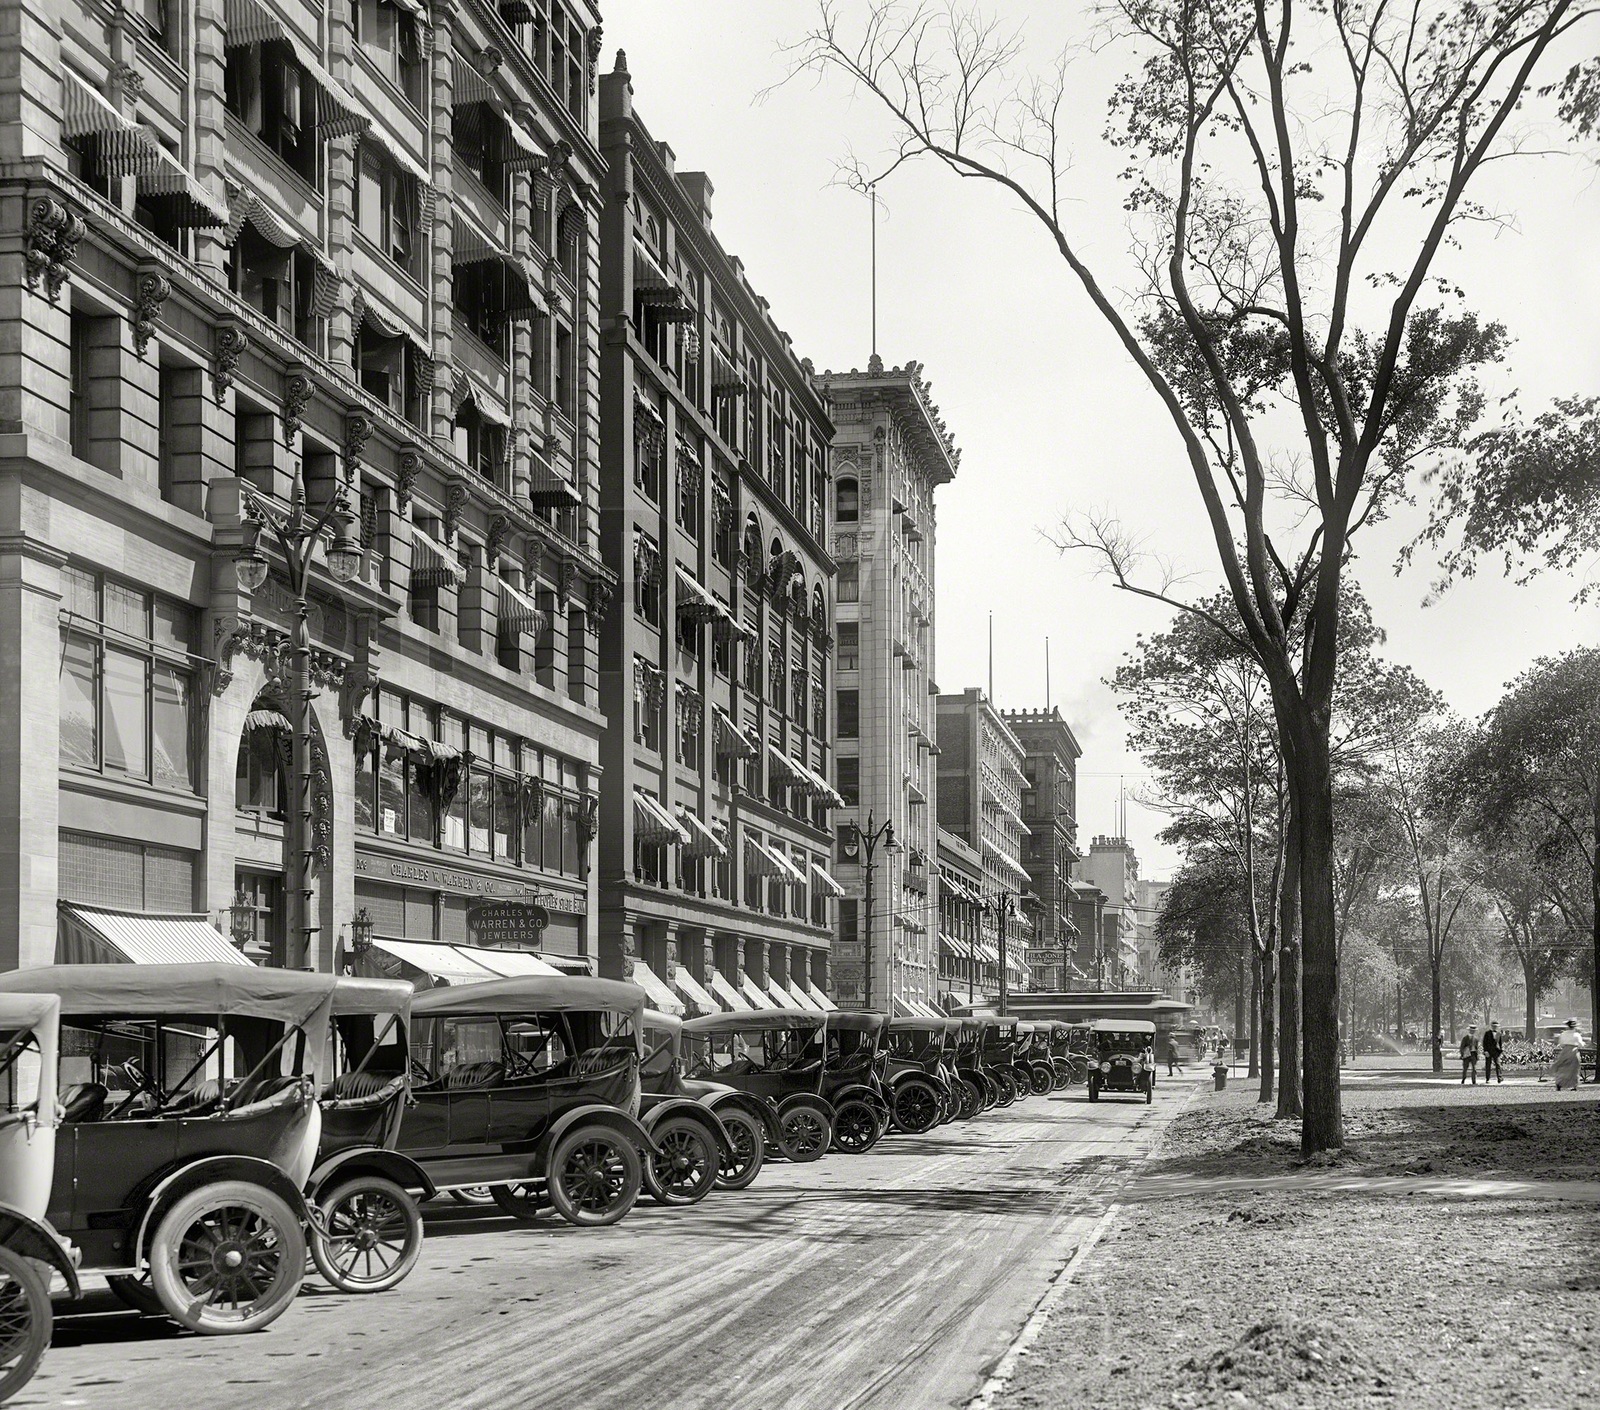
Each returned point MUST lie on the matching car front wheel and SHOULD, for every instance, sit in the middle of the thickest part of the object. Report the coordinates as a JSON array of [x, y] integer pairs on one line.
[[686, 1170], [25, 1320], [807, 1133], [595, 1176], [855, 1128], [374, 1235]]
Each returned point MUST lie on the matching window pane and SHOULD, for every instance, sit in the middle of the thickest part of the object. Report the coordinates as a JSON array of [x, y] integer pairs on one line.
[[174, 625], [552, 831], [532, 817], [505, 816], [125, 696], [571, 847], [366, 793], [126, 611], [171, 702], [78, 594], [391, 795], [419, 807], [479, 808], [79, 741]]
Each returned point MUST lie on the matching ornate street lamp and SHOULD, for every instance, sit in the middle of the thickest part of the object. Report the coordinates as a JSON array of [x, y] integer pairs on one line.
[[295, 532], [868, 838], [360, 932]]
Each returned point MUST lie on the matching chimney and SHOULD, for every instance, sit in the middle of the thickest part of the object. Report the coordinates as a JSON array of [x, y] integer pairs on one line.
[[697, 187]]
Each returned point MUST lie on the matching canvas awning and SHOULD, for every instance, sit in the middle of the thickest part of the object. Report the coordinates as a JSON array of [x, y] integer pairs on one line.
[[731, 998], [506, 964], [757, 996], [653, 823], [93, 935], [703, 841], [955, 946], [170, 184], [249, 22], [444, 963], [804, 1000], [687, 985], [517, 284], [432, 562], [826, 881], [821, 1000], [1015, 868], [547, 486], [661, 997], [122, 146], [902, 1009], [730, 742], [694, 599], [518, 612], [927, 1010]]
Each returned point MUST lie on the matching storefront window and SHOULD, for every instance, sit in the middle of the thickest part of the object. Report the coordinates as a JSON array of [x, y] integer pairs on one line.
[[126, 683]]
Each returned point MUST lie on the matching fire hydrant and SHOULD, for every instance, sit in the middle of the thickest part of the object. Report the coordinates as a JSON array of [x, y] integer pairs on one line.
[[1219, 1075]]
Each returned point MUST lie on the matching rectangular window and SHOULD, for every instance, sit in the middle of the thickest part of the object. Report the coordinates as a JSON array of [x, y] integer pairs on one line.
[[849, 646], [267, 90], [690, 489], [847, 778], [563, 378], [386, 208], [166, 423], [849, 580], [647, 579], [78, 385], [849, 717]]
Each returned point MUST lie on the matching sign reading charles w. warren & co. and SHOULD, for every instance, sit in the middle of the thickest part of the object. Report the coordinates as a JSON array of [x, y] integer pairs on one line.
[[507, 923]]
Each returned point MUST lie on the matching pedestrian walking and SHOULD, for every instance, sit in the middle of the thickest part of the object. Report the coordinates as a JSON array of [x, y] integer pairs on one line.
[[1564, 1066], [1174, 1058], [1493, 1046], [1469, 1056]]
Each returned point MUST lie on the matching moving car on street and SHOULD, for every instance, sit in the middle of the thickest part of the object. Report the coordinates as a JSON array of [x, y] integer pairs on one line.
[[530, 1087], [1122, 1058]]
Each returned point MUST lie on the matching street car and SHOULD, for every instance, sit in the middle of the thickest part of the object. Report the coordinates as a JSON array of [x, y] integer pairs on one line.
[[188, 1129], [530, 1087], [1122, 1057], [855, 1059], [777, 1055]]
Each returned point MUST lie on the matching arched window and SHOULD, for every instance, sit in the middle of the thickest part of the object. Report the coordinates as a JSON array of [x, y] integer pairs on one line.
[[753, 565], [846, 502], [259, 774], [819, 612]]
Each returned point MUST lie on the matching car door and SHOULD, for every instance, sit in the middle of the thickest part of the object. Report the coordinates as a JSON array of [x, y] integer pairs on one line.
[[536, 1055]]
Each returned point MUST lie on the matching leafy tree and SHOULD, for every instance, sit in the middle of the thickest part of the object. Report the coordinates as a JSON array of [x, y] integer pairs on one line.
[[1202, 926], [1269, 195]]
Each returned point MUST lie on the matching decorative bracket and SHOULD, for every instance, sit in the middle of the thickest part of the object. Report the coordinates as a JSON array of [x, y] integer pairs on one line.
[[357, 432], [405, 486], [297, 389], [54, 230], [456, 496], [499, 533], [152, 290], [600, 593], [227, 348]]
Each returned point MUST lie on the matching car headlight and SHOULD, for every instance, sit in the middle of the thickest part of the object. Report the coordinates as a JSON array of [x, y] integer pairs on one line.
[[1105, 1067]]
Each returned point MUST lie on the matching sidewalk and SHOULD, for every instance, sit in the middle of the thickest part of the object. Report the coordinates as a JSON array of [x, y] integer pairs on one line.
[[1447, 1257]]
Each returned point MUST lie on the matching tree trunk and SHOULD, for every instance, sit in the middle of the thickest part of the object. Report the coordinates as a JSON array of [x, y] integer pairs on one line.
[[1399, 1009], [1594, 924], [1269, 1022], [1322, 1124], [1435, 1038], [1254, 1070], [1289, 978], [1531, 1013], [1241, 996]]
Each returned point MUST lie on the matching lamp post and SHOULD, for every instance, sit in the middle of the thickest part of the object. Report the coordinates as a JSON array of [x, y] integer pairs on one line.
[[1000, 907], [868, 838], [296, 531]]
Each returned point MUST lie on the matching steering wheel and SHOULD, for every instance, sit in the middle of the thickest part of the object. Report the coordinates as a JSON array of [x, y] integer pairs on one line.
[[140, 1081], [418, 1072]]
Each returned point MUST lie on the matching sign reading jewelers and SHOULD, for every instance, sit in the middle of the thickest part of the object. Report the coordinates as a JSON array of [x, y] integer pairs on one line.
[[507, 924]]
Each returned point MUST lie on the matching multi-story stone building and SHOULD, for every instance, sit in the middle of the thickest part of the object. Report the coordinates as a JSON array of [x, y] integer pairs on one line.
[[1152, 973], [1113, 866], [716, 825], [969, 966], [981, 783], [1088, 908], [1049, 808], [258, 243], [890, 452]]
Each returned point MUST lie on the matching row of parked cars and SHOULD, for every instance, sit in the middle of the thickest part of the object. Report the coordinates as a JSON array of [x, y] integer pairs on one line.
[[193, 1132]]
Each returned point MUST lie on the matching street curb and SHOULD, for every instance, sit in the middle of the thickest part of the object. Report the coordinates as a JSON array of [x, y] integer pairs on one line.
[[1006, 1368]]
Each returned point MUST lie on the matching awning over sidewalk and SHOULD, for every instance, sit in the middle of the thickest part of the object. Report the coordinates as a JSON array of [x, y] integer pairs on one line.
[[462, 964], [661, 997], [731, 998], [753, 992], [821, 1000], [92, 935], [508, 964], [784, 998], [804, 1000], [687, 985]]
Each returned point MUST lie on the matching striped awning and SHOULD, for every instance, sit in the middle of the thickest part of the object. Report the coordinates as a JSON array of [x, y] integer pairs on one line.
[[703, 840], [247, 205], [518, 284], [271, 720], [813, 784], [427, 192], [954, 945], [694, 599], [432, 562], [122, 146], [468, 84], [1014, 867], [507, 141], [726, 378], [730, 742], [757, 996], [548, 487], [251, 22], [519, 612], [785, 770], [170, 184], [653, 823], [92, 935], [825, 880], [726, 994], [787, 869]]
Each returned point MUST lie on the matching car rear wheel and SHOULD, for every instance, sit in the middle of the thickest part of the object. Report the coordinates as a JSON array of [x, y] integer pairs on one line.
[[917, 1106], [595, 1176], [374, 1235], [228, 1258], [1044, 1080], [136, 1293], [686, 1170], [25, 1320], [1005, 1088], [969, 1098], [748, 1150], [475, 1195], [856, 1128], [528, 1203], [806, 1133]]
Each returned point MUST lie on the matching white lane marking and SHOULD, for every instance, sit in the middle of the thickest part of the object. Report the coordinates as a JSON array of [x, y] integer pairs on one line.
[[1006, 1367]]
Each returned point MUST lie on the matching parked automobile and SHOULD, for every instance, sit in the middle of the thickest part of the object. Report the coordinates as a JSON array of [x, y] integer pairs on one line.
[[855, 1063], [776, 1055], [189, 1128], [370, 1235], [691, 1139], [920, 1095], [1068, 1055], [998, 1058], [1034, 1055], [748, 1124], [530, 1087], [978, 1090], [1122, 1057]]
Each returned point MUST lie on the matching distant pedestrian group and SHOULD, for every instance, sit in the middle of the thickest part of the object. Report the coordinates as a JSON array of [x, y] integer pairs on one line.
[[1491, 1046]]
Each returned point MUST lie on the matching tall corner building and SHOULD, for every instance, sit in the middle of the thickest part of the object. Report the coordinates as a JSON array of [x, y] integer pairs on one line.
[[1049, 808], [891, 451], [716, 668]]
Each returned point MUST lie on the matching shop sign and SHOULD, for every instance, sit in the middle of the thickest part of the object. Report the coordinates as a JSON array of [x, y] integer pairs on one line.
[[507, 923], [469, 883]]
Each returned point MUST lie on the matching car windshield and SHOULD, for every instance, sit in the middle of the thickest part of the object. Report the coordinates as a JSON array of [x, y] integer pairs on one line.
[[915, 1044], [1122, 1042]]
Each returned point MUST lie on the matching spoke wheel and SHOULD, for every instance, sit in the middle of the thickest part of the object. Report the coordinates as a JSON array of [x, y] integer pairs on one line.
[[686, 1170], [742, 1162], [1005, 1088], [855, 1128], [806, 1133], [25, 1319], [970, 1097], [474, 1195], [595, 1176], [228, 1258], [136, 1293], [374, 1235], [1044, 1080], [917, 1107], [529, 1203]]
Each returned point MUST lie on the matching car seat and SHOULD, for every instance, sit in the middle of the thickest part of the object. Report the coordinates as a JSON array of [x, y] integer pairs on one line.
[[475, 1074], [84, 1102]]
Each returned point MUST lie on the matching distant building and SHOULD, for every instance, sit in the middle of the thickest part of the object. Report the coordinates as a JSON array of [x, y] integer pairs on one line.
[[1087, 908], [1049, 808], [969, 966], [1152, 894], [1113, 866], [980, 801], [890, 452]]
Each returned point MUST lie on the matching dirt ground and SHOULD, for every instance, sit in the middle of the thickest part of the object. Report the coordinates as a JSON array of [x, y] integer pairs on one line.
[[1347, 1298]]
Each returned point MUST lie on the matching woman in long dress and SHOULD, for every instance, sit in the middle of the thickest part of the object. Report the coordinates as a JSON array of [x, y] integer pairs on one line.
[[1564, 1065]]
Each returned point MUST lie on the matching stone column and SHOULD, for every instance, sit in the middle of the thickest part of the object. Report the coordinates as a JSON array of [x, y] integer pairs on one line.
[[619, 944]]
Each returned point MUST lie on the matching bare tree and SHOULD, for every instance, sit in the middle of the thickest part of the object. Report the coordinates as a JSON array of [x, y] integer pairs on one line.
[[1264, 188]]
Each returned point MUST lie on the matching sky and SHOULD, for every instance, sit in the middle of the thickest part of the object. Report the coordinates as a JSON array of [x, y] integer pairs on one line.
[[1050, 414]]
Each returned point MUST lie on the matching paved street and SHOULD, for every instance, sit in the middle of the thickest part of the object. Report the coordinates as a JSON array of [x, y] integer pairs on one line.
[[895, 1279]]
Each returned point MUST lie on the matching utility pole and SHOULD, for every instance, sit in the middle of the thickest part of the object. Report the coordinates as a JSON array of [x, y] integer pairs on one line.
[[868, 838]]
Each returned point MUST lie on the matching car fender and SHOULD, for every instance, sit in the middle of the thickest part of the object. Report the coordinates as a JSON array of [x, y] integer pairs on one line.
[[695, 1111], [758, 1107], [177, 1183], [860, 1092], [391, 1165], [595, 1113], [33, 1238], [799, 1099]]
